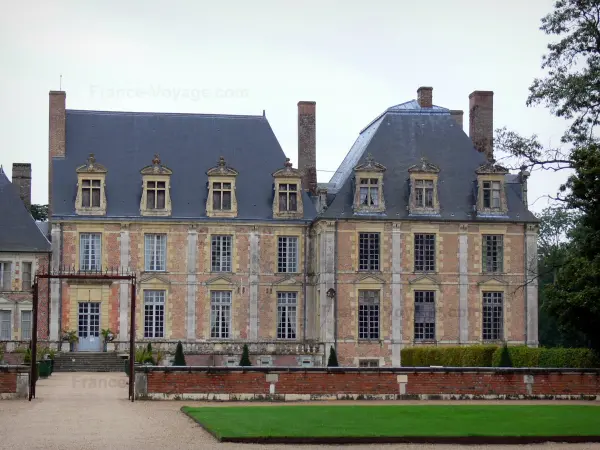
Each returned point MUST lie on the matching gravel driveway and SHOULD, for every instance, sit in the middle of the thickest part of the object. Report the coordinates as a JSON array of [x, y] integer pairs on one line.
[[83, 411]]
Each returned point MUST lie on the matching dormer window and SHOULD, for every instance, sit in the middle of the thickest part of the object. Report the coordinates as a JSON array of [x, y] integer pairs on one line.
[[369, 192], [288, 197], [287, 201], [91, 198], [156, 185], [221, 200], [368, 197], [491, 198], [423, 183]]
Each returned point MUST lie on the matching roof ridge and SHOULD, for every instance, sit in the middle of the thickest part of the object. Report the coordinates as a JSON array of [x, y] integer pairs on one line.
[[147, 113]]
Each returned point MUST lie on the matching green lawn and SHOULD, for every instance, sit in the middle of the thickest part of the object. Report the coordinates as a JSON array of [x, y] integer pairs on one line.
[[398, 421]]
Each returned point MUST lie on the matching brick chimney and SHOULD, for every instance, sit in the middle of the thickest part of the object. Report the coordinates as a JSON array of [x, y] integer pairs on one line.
[[56, 135], [425, 96], [21, 179], [307, 145], [457, 115], [481, 121]]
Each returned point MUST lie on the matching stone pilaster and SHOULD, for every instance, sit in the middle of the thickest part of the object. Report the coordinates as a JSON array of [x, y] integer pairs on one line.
[[125, 286], [254, 283], [190, 311], [463, 284], [327, 281], [55, 299], [396, 295], [531, 271]]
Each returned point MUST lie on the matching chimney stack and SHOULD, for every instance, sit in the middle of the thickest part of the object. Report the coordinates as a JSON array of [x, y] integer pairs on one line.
[[21, 179], [457, 115], [481, 121], [425, 96], [307, 141], [56, 136]]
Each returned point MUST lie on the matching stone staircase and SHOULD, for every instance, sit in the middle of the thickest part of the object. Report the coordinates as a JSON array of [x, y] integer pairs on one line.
[[88, 362]]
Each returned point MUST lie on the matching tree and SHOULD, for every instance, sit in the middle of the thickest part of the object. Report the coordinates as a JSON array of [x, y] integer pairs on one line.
[[332, 361], [39, 212], [245, 361], [570, 87], [179, 357]]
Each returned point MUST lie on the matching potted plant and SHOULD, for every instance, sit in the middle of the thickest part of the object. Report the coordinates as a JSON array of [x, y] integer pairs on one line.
[[108, 336], [51, 354], [70, 337]]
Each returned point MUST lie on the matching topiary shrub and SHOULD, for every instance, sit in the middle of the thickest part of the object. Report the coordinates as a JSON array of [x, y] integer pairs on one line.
[[332, 361], [245, 361], [505, 359], [179, 357]]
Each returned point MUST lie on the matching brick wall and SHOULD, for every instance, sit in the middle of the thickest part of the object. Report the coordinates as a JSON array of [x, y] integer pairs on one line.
[[8, 382], [307, 384]]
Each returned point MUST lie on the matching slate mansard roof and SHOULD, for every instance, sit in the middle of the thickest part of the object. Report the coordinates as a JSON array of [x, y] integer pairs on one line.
[[18, 230], [189, 144], [399, 138]]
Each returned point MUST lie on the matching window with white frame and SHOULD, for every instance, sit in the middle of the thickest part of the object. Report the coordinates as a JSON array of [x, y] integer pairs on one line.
[[287, 257], [286, 315], [156, 252], [5, 326], [154, 314], [90, 251], [424, 193], [368, 314], [220, 314], [492, 253], [25, 325], [491, 194], [369, 192], [221, 253], [424, 315], [493, 316], [26, 276], [5, 276]]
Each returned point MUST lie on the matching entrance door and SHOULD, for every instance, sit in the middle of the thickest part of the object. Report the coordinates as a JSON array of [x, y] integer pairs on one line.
[[89, 327]]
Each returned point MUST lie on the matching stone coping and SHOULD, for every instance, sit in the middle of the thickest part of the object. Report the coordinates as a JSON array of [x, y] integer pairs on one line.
[[270, 369], [14, 368]]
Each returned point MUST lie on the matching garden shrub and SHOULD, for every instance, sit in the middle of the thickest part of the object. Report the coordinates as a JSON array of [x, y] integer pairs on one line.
[[245, 361], [465, 356], [179, 359], [332, 361]]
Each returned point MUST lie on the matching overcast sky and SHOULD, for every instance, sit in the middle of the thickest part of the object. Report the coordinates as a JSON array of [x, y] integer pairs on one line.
[[354, 58]]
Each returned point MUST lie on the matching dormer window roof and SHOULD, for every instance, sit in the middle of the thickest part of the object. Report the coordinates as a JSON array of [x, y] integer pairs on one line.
[[91, 187], [424, 188], [287, 202], [156, 189], [222, 200], [491, 195], [368, 195]]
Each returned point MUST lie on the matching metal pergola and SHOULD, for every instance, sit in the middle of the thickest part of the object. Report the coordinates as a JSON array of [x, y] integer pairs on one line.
[[67, 273]]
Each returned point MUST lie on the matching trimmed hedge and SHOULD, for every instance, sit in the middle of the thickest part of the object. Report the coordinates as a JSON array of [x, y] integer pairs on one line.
[[490, 356]]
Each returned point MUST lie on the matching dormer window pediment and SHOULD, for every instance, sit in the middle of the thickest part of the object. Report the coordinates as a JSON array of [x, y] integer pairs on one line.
[[423, 188], [221, 200], [368, 195], [287, 202], [491, 195], [156, 189], [91, 188]]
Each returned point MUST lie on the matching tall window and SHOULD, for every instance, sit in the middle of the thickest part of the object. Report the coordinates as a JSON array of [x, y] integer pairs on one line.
[[288, 197], [222, 196], [368, 251], [221, 254], [424, 252], [491, 194], [155, 194], [287, 254], [5, 328], [369, 191], [368, 314], [25, 325], [155, 252], [424, 193], [220, 314], [492, 252], [26, 276], [90, 193], [493, 316], [424, 315], [286, 315], [5, 276], [154, 314], [90, 251]]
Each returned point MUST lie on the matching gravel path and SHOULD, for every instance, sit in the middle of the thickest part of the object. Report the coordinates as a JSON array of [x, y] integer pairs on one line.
[[83, 411]]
